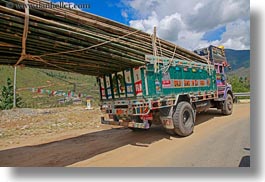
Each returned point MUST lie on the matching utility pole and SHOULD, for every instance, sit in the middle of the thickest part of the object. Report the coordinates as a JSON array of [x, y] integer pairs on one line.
[[14, 86]]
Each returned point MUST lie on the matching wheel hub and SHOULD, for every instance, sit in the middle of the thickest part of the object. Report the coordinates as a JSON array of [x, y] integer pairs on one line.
[[229, 104], [186, 116]]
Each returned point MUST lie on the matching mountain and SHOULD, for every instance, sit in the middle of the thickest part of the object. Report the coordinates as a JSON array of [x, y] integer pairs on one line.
[[239, 61]]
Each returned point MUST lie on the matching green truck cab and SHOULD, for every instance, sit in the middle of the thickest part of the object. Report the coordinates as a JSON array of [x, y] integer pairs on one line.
[[164, 91]]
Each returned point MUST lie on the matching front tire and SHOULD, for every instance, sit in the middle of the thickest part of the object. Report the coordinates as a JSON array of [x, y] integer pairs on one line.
[[184, 119], [228, 105]]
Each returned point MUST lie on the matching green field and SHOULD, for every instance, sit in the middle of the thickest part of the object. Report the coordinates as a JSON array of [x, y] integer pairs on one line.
[[28, 78]]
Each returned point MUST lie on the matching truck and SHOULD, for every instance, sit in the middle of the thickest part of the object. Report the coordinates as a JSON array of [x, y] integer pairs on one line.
[[167, 92]]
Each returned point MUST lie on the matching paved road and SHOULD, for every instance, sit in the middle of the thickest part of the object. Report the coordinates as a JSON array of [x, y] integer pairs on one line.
[[218, 141]]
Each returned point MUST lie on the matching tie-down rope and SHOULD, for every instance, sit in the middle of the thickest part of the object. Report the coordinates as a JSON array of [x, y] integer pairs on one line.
[[39, 58]]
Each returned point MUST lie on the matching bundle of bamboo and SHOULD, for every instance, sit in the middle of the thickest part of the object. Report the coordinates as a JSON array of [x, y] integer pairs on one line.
[[72, 40]]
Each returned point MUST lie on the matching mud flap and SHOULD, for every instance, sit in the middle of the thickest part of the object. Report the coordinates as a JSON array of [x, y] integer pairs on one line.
[[167, 122], [166, 117]]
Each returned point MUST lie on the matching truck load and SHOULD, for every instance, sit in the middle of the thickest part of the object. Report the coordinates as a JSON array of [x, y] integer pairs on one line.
[[166, 91]]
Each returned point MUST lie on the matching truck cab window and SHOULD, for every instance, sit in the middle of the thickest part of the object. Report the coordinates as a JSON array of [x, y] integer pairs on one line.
[[216, 68], [220, 69]]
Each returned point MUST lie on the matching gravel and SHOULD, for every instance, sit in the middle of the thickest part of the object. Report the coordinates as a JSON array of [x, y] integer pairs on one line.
[[32, 122]]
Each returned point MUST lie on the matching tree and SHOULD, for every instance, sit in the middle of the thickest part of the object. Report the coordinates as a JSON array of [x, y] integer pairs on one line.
[[7, 96], [238, 85], [241, 79]]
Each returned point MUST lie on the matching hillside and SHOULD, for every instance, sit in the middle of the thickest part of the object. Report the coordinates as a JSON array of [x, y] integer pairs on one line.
[[48, 81], [239, 61]]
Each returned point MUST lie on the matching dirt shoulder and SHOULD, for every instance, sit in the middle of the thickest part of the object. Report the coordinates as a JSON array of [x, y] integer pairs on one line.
[[28, 126]]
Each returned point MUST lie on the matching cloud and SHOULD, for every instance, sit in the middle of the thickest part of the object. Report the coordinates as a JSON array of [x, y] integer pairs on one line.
[[168, 27], [216, 13], [237, 35], [124, 14], [146, 24], [143, 7], [185, 22]]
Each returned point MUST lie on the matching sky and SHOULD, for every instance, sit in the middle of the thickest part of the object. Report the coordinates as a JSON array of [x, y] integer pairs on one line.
[[191, 24]]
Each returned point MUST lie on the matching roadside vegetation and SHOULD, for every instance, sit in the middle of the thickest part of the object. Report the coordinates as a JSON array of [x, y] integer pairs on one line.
[[29, 78], [7, 96], [239, 84]]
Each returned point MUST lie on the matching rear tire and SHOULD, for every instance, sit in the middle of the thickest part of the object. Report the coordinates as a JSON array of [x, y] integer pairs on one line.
[[228, 105], [184, 119]]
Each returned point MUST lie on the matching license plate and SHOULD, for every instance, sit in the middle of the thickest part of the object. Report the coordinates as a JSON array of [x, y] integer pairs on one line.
[[147, 117]]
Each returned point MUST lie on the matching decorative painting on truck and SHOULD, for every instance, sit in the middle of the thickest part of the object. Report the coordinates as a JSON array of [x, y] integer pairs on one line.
[[166, 82], [115, 85], [129, 83], [121, 84], [108, 87], [102, 88], [138, 81]]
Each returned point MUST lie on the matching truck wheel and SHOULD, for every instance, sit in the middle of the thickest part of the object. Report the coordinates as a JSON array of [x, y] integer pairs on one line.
[[183, 119], [228, 105]]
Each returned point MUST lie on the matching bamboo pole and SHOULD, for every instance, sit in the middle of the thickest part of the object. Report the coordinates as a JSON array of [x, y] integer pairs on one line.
[[79, 41]]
